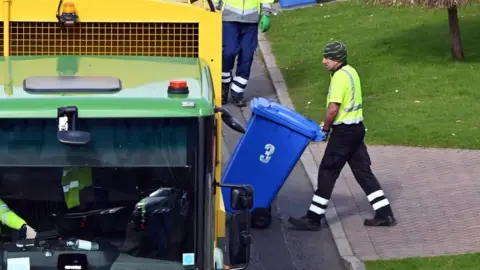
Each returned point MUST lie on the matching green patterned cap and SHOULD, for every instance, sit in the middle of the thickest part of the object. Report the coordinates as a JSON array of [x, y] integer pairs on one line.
[[336, 51]]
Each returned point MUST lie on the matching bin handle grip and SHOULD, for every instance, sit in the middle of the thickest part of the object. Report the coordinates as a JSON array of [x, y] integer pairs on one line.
[[272, 105]]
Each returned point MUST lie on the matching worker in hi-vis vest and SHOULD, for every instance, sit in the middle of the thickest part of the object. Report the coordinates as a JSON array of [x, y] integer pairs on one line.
[[12, 220], [241, 20], [73, 181], [344, 120]]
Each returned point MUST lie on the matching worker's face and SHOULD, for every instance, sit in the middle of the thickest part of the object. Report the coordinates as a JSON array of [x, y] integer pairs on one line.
[[330, 65]]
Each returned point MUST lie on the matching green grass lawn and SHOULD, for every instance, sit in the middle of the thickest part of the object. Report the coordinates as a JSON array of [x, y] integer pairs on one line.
[[459, 262], [414, 93]]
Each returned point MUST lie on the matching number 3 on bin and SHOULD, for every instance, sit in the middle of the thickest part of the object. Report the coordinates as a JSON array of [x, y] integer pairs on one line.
[[269, 149]]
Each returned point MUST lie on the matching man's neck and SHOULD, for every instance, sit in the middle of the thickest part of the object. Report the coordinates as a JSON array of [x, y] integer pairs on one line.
[[339, 67]]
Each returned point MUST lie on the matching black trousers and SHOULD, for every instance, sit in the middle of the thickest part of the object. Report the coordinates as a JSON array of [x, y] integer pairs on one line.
[[346, 145]]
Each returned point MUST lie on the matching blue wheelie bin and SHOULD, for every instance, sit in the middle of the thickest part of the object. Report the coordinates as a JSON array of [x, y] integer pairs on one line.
[[274, 141]]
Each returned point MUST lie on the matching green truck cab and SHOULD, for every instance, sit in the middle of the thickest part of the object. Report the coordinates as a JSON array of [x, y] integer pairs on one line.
[[143, 130]]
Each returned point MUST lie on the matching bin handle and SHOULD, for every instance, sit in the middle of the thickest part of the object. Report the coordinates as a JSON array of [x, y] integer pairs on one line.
[[319, 136]]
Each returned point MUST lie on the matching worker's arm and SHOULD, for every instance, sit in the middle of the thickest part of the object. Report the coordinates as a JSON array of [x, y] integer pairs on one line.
[[9, 218], [266, 13], [12, 220], [335, 98], [330, 115], [266, 7]]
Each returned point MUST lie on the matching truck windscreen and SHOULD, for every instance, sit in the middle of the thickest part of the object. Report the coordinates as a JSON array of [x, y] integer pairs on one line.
[[130, 191], [145, 142]]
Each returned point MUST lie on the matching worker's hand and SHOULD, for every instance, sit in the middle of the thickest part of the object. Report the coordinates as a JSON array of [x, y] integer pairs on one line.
[[31, 233], [265, 23], [324, 134]]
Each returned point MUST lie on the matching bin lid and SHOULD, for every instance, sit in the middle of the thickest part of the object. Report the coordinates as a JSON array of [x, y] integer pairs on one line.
[[287, 117]]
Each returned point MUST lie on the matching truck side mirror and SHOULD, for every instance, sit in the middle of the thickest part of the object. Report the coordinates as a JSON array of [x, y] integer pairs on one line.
[[241, 198], [229, 120], [239, 235], [239, 240]]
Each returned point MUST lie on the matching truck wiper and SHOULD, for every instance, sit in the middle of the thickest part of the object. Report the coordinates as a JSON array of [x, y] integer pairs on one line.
[[104, 211]]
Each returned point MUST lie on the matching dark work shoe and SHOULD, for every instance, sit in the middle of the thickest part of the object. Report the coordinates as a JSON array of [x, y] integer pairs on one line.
[[379, 221], [305, 224], [238, 100], [225, 91]]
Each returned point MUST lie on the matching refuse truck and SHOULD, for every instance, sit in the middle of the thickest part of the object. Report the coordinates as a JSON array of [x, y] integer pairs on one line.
[[275, 139], [110, 129]]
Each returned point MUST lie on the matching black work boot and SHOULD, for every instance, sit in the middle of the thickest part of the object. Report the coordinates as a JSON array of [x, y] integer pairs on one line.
[[381, 221], [238, 99], [225, 91], [305, 224]]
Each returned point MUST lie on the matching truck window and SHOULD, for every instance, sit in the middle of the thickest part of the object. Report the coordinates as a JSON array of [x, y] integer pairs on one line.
[[130, 190]]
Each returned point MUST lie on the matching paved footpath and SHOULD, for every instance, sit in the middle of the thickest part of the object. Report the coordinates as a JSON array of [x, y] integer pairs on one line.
[[435, 194]]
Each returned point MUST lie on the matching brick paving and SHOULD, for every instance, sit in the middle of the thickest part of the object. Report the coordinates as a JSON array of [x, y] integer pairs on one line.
[[435, 195]]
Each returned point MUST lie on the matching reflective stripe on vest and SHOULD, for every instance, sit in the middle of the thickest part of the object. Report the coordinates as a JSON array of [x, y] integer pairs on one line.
[[352, 107], [9, 218], [247, 11], [350, 121], [73, 181], [71, 185], [5, 208]]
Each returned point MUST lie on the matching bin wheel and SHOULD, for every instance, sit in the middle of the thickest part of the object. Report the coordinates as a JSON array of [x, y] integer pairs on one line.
[[261, 218]]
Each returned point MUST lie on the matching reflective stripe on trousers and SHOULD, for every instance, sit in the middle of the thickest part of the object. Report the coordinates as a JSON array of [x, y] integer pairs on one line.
[[226, 77], [377, 199], [239, 84], [235, 36], [318, 205]]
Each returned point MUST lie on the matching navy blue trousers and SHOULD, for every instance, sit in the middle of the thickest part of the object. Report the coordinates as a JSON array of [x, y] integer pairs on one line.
[[238, 39]]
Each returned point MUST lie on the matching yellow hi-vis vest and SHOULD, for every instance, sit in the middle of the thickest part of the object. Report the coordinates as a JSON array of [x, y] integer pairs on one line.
[[9, 218], [245, 11], [345, 89], [73, 181]]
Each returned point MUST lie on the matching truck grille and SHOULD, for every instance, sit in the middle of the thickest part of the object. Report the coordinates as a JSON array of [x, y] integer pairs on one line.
[[86, 38]]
